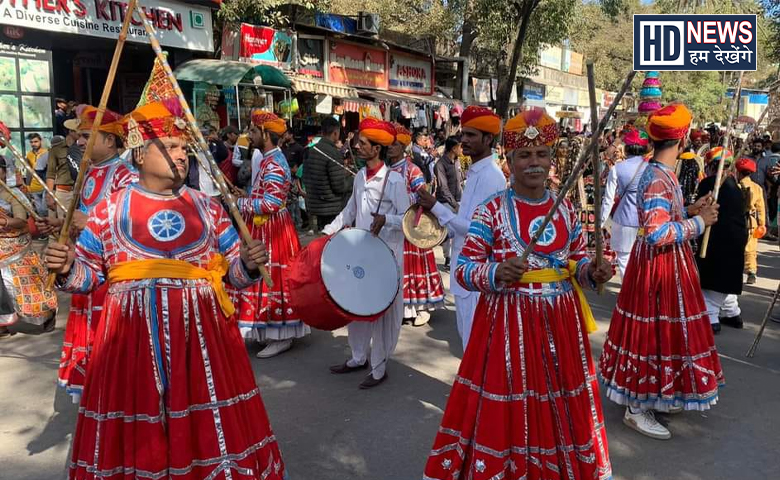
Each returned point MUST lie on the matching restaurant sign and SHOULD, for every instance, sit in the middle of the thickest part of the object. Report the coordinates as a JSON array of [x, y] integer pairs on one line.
[[357, 66], [410, 74], [178, 25]]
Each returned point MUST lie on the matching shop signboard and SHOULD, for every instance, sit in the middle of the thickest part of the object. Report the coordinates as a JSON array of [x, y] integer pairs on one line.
[[551, 57], [311, 56], [357, 66], [575, 63], [485, 89], [533, 91], [411, 74], [178, 24], [266, 46], [554, 95]]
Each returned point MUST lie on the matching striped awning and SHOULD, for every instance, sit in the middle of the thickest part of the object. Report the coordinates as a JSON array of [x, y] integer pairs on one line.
[[304, 84]]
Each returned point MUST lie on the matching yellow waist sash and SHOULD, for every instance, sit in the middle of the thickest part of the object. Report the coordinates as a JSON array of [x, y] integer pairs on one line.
[[549, 275], [168, 268], [259, 220]]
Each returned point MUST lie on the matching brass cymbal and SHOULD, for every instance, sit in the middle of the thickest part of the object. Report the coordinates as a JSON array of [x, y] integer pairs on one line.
[[428, 233]]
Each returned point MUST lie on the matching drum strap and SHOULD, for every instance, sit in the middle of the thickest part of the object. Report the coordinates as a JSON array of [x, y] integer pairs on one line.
[[382, 195]]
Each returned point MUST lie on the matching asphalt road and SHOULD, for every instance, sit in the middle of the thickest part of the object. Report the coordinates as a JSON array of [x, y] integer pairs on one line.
[[330, 430]]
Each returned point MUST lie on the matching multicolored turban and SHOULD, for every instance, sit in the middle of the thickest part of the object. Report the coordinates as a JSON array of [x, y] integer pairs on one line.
[[636, 137], [482, 119], [402, 134], [746, 165], [111, 122], [268, 121], [154, 120], [531, 128], [378, 131], [669, 123], [715, 154]]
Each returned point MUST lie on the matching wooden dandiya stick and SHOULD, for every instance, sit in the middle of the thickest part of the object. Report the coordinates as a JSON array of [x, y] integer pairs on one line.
[[32, 172], [24, 204], [227, 195], [719, 176], [594, 118], [752, 350], [85, 160], [578, 167]]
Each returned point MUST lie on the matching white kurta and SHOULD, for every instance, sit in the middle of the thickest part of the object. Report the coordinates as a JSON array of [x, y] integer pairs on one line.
[[483, 180], [380, 336]]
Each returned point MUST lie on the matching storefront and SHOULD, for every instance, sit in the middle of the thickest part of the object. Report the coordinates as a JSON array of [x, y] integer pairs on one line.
[[76, 41]]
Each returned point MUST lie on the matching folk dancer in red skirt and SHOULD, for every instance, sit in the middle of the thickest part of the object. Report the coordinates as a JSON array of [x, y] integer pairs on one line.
[[480, 128], [378, 202], [169, 392], [423, 288], [660, 354], [525, 403], [264, 312], [107, 174]]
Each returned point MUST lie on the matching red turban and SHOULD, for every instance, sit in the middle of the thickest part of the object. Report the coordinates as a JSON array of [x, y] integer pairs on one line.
[[635, 137], [669, 123], [482, 119], [746, 165], [531, 128], [268, 121], [378, 131], [111, 122]]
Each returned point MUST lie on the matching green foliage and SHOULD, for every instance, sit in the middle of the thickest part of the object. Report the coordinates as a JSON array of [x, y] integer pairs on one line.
[[261, 12]]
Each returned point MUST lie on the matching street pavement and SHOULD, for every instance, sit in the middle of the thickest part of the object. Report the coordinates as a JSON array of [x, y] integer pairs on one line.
[[329, 430]]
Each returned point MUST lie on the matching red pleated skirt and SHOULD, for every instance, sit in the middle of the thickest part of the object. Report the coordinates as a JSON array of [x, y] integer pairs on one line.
[[170, 392], [83, 319], [660, 351], [259, 306], [422, 280], [525, 403]]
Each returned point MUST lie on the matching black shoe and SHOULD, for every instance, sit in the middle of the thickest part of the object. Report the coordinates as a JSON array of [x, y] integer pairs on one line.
[[751, 279], [407, 321], [735, 322], [446, 264], [49, 324], [345, 368], [371, 382], [715, 328], [5, 333]]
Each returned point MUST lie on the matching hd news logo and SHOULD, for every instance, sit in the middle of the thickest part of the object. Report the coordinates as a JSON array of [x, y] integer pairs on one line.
[[695, 42]]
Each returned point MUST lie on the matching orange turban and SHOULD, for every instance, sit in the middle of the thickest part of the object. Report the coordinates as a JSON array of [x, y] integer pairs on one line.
[[111, 122], [403, 135], [669, 123], [154, 120], [378, 131], [268, 121], [482, 119], [716, 153], [531, 128]]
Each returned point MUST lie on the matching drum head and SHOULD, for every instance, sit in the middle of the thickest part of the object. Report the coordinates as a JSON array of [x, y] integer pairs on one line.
[[360, 272]]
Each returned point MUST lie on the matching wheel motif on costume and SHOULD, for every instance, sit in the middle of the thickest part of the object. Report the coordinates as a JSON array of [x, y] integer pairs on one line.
[[89, 187], [548, 235], [166, 225]]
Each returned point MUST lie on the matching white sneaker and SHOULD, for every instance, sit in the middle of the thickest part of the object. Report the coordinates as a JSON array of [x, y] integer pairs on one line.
[[274, 348], [675, 410], [421, 319], [646, 424]]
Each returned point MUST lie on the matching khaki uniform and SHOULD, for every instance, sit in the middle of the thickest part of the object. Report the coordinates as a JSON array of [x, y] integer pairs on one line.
[[59, 171], [756, 218]]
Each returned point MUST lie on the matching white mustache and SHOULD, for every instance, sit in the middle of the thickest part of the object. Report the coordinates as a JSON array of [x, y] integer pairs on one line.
[[533, 170]]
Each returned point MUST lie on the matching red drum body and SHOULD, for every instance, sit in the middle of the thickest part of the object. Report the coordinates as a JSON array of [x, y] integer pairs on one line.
[[350, 276]]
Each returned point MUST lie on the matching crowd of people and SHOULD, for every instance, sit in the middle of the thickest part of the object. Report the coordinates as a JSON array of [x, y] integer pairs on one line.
[[165, 291]]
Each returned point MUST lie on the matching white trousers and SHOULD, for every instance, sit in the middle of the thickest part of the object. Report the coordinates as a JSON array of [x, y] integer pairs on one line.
[[622, 242], [464, 314], [621, 258], [380, 336], [721, 305]]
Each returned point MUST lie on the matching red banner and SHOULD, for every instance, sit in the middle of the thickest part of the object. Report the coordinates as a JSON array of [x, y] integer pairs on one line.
[[357, 66]]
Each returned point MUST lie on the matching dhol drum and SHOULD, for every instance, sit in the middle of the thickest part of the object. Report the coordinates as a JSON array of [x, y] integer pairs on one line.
[[346, 277]]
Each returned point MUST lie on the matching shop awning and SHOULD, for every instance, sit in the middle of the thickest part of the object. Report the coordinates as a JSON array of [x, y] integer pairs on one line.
[[228, 73], [407, 97], [304, 84]]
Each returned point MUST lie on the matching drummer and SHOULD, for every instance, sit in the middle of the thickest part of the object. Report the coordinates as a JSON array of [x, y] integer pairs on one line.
[[480, 127], [378, 203]]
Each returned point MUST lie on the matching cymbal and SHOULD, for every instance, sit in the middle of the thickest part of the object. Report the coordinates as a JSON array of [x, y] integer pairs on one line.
[[428, 233]]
